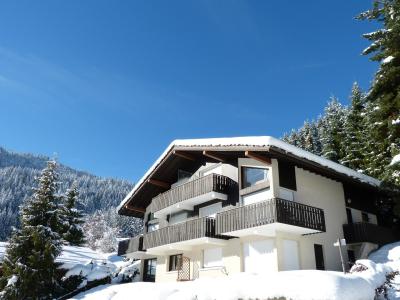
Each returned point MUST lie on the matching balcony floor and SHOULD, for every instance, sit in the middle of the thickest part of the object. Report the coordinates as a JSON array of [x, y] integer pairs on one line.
[[189, 204], [271, 230], [139, 255], [185, 246]]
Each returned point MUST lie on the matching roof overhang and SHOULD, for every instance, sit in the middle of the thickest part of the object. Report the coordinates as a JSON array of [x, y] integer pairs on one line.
[[189, 155]]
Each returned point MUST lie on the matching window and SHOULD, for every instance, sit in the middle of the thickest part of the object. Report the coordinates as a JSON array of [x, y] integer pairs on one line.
[[319, 257], [287, 175], [365, 217], [152, 227], [252, 175], [149, 272], [212, 257], [178, 217], [349, 216], [175, 262], [183, 175], [210, 210], [150, 217]]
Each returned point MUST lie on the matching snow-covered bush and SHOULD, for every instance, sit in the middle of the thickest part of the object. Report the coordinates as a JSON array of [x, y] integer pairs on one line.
[[99, 235], [85, 275]]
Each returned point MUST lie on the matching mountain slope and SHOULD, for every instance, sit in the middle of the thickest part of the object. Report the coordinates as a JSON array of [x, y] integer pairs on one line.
[[17, 177]]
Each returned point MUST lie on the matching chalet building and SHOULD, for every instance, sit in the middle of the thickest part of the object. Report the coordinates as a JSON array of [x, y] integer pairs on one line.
[[213, 207]]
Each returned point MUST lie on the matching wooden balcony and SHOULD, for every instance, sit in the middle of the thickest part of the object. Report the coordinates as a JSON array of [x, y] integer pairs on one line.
[[269, 216], [212, 186], [363, 232], [130, 245], [182, 234]]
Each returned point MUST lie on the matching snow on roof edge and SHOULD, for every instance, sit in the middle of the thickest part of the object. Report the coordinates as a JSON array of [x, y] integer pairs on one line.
[[254, 141]]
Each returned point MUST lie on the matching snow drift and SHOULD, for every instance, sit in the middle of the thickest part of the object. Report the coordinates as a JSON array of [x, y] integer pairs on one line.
[[360, 284]]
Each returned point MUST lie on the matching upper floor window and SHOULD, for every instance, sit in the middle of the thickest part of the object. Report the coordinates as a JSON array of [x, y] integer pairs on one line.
[[287, 175], [253, 175], [178, 217], [150, 217], [152, 227], [365, 217]]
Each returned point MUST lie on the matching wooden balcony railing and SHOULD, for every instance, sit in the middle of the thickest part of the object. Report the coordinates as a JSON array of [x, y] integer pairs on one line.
[[363, 232], [132, 245], [270, 211], [191, 189], [189, 230]]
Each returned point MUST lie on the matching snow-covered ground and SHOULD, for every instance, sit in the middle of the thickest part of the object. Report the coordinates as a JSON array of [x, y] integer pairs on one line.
[[72, 255], [91, 265], [299, 285]]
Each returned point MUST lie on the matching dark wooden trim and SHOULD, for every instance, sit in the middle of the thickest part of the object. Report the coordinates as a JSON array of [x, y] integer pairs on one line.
[[362, 232], [214, 155], [159, 183], [258, 157], [135, 209], [274, 210], [189, 230], [191, 189], [184, 155], [130, 245]]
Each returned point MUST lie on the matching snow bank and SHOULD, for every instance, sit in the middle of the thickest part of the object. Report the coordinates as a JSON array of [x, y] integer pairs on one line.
[[72, 255], [93, 266], [387, 253], [298, 285]]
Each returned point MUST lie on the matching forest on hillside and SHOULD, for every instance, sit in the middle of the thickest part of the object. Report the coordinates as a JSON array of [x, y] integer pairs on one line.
[[98, 196]]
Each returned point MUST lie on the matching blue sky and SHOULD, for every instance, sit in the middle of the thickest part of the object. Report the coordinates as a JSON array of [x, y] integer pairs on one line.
[[108, 84]]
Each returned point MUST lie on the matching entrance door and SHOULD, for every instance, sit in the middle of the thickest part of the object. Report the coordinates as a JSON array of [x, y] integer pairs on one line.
[[319, 257], [149, 270], [349, 216], [290, 255], [259, 256]]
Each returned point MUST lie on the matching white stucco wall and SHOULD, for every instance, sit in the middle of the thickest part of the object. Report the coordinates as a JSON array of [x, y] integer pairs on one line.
[[321, 192], [312, 189]]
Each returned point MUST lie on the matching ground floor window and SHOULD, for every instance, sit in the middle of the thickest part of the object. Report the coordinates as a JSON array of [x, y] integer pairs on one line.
[[149, 269], [319, 257], [175, 262]]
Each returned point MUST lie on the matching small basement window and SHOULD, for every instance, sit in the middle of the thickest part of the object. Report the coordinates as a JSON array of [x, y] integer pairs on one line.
[[175, 262], [253, 175]]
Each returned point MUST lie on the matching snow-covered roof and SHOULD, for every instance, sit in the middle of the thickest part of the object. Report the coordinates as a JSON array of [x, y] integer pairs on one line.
[[250, 142]]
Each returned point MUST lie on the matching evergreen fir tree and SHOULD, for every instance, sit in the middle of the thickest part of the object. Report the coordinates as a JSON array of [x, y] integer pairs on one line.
[[316, 128], [353, 129], [384, 93], [332, 130], [72, 218], [29, 264]]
